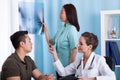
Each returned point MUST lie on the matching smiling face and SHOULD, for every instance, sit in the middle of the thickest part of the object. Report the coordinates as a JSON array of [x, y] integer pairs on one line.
[[82, 46], [87, 42]]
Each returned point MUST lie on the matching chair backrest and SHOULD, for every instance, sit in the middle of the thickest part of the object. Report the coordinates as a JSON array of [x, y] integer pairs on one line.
[[0, 75], [110, 62]]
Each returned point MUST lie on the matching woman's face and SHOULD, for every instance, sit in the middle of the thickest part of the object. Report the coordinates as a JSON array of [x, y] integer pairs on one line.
[[63, 16], [82, 46]]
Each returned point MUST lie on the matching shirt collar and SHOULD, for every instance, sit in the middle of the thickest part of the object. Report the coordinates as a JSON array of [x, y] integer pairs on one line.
[[89, 60], [66, 24], [17, 57]]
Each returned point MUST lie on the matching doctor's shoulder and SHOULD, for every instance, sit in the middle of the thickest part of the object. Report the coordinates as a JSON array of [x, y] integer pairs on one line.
[[99, 59]]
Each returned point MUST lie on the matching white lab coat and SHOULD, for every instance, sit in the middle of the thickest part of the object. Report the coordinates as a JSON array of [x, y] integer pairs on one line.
[[98, 69]]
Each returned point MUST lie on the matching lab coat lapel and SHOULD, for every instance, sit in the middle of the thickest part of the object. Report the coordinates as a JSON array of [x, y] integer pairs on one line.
[[87, 65]]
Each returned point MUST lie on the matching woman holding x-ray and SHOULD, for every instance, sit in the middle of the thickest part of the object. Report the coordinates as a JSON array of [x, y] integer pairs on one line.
[[88, 67], [65, 39]]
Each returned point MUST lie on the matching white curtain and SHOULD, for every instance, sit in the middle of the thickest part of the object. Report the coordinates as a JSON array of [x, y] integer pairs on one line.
[[5, 24], [8, 25]]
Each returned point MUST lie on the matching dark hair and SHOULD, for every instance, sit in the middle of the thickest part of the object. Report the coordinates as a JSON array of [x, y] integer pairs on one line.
[[91, 39], [17, 37], [71, 14]]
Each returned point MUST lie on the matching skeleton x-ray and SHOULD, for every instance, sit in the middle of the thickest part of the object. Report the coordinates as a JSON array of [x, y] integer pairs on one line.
[[31, 16]]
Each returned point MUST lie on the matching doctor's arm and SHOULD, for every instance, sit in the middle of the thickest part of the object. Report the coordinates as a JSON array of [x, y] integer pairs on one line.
[[73, 55], [54, 53], [72, 37], [62, 71]]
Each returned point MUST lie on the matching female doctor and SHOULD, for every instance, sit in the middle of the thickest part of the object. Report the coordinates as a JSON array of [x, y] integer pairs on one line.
[[88, 67]]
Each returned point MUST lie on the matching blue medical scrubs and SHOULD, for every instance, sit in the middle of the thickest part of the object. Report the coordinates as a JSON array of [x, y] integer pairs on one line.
[[65, 40]]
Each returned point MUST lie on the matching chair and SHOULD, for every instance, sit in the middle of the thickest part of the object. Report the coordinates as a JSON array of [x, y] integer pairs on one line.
[[0, 75], [110, 62], [69, 77]]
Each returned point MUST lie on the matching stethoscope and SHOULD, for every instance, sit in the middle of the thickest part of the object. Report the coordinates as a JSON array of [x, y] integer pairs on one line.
[[90, 67]]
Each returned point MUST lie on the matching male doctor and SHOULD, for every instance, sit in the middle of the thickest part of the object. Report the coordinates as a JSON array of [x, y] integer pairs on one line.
[[88, 67]]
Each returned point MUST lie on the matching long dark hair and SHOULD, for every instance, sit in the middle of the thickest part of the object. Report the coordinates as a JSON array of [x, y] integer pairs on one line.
[[71, 14]]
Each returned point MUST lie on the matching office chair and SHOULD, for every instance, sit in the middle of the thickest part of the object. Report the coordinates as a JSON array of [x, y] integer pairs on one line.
[[0, 75], [110, 62]]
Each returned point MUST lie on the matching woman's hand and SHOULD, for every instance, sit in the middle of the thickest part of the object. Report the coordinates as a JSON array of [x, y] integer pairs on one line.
[[47, 77], [53, 51], [44, 25], [82, 78]]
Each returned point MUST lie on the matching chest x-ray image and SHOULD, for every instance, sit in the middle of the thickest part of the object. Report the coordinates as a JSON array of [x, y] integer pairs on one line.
[[31, 16]]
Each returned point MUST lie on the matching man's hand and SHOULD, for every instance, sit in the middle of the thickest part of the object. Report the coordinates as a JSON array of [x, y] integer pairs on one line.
[[47, 77], [94, 78], [50, 77]]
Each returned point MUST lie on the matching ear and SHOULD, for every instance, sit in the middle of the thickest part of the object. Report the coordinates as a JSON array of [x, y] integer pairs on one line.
[[90, 47], [21, 43]]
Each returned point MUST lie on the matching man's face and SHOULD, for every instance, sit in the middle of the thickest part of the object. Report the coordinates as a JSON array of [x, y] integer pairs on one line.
[[27, 44]]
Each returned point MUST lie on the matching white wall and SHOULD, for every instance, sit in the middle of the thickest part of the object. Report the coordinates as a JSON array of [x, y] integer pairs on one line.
[[8, 25], [4, 30]]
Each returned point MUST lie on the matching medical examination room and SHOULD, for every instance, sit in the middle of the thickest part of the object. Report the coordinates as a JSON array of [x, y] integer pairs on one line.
[[60, 39]]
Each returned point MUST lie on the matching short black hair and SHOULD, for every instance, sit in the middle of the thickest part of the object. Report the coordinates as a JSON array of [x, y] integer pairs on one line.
[[91, 39], [17, 37]]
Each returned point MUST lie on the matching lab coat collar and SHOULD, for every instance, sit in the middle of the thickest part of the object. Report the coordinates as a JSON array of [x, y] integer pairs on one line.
[[87, 65]]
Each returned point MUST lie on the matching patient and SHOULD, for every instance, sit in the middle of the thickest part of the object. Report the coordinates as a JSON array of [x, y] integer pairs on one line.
[[88, 67], [18, 65]]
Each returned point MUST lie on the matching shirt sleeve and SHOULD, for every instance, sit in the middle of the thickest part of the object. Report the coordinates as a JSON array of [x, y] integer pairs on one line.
[[72, 37], [64, 71], [10, 69], [105, 72]]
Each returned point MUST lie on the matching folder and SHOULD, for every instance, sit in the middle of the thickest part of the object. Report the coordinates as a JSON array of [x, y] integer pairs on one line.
[[107, 48], [115, 52]]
